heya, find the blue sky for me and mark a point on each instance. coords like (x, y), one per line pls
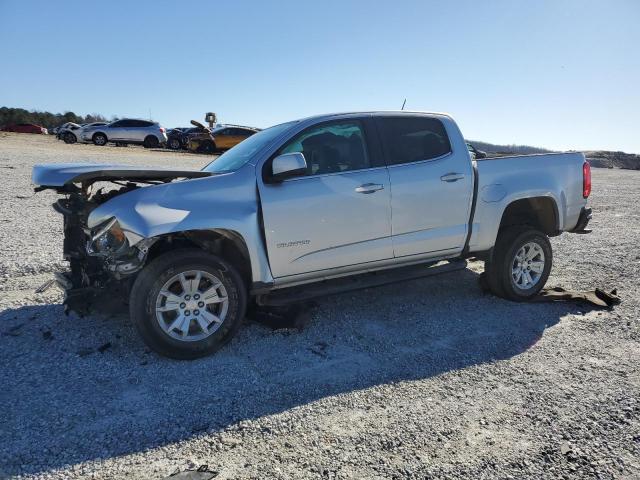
(553, 73)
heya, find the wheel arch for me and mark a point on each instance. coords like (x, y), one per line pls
(225, 243)
(99, 132)
(205, 143)
(540, 212)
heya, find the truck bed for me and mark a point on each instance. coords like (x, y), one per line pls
(503, 180)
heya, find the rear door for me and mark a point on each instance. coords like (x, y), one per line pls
(115, 130)
(431, 185)
(138, 130)
(235, 136)
(223, 139)
(337, 215)
(244, 133)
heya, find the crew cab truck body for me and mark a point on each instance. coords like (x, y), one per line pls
(299, 204)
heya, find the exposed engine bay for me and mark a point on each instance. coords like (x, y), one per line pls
(102, 259)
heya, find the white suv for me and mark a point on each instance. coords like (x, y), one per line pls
(127, 130)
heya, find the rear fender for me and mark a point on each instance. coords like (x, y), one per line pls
(490, 212)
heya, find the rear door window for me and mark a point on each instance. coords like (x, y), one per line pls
(138, 123)
(412, 139)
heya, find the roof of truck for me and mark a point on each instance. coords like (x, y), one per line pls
(374, 112)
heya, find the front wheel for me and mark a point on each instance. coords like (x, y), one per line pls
(174, 143)
(520, 264)
(187, 303)
(70, 138)
(99, 139)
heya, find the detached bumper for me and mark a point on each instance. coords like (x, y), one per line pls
(86, 300)
(583, 221)
(79, 300)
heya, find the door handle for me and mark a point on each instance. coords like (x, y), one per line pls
(369, 188)
(452, 177)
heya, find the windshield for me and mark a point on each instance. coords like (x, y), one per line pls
(242, 153)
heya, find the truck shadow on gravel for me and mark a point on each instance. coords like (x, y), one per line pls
(80, 389)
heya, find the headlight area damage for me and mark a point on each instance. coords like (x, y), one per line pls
(105, 258)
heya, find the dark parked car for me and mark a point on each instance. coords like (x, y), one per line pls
(24, 128)
(475, 153)
(178, 138)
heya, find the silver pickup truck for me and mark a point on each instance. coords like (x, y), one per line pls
(307, 208)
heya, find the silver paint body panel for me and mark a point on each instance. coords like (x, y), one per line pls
(321, 222)
(503, 180)
(321, 227)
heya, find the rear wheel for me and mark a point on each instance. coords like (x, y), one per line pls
(99, 139)
(151, 142)
(187, 303)
(70, 138)
(208, 147)
(520, 264)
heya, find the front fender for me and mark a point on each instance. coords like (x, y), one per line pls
(221, 202)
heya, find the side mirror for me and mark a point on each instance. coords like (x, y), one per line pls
(288, 165)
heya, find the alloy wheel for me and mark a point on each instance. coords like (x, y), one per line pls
(527, 266)
(191, 305)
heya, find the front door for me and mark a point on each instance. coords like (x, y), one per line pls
(431, 185)
(337, 215)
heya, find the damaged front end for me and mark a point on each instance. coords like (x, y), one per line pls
(104, 259)
(101, 259)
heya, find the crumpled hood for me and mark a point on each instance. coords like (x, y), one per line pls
(221, 199)
(65, 174)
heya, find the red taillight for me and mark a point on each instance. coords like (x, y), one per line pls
(162, 129)
(586, 179)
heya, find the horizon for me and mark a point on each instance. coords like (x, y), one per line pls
(555, 75)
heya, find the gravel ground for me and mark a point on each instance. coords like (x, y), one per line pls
(425, 379)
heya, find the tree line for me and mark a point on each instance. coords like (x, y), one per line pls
(9, 116)
(510, 149)
(50, 120)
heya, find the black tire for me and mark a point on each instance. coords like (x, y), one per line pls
(174, 143)
(70, 138)
(99, 139)
(491, 277)
(498, 269)
(208, 147)
(147, 286)
(151, 141)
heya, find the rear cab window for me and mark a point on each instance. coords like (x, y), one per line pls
(411, 139)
